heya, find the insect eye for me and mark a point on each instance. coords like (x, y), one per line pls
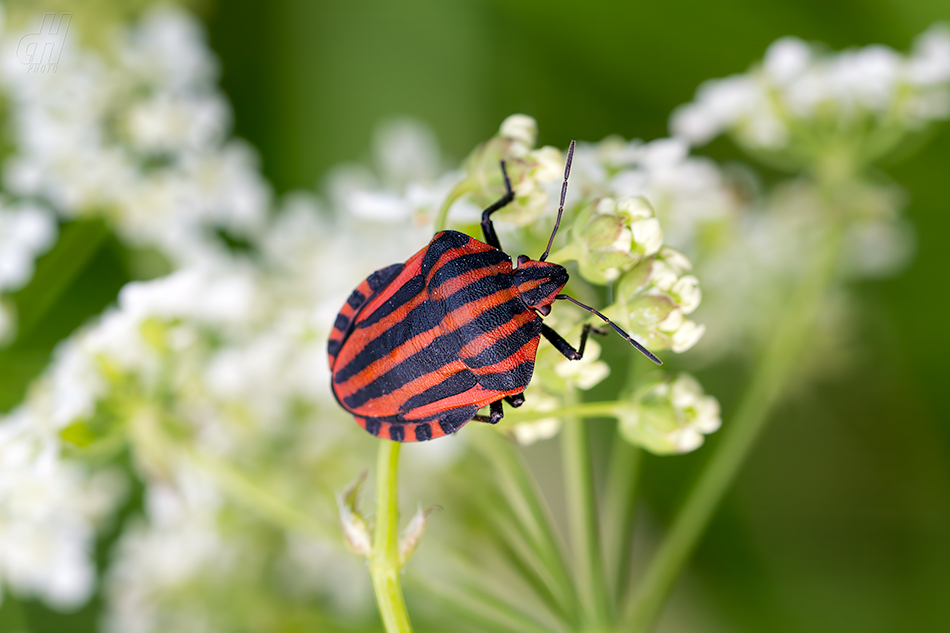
(545, 310)
(522, 259)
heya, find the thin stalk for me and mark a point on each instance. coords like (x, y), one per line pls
(783, 352)
(460, 190)
(619, 504)
(248, 492)
(623, 478)
(582, 519)
(576, 410)
(521, 492)
(384, 567)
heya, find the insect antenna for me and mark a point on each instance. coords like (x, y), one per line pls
(560, 209)
(616, 328)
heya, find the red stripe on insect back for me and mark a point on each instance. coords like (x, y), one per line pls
(481, 343)
(471, 310)
(455, 284)
(451, 323)
(356, 344)
(477, 396)
(346, 315)
(385, 364)
(524, 354)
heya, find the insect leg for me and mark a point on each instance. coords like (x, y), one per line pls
(616, 328)
(495, 411)
(491, 238)
(564, 347)
(516, 400)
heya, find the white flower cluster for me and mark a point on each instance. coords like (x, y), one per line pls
(798, 81)
(691, 196)
(135, 134)
(49, 511)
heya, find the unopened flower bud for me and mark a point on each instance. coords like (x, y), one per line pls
(612, 236)
(670, 414)
(654, 298)
(529, 170)
(520, 128)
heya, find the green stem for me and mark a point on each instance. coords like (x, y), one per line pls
(619, 505)
(384, 567)
(579, 410)
(531, 514)
(460, 190)
(78, 242)
(623, 478)
(582, 519)
(783, 352)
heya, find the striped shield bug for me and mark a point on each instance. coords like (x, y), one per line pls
(420, 347)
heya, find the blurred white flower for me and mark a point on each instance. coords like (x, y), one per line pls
(136, 135)
(669, 414)
(800, 87)
(25, 233)
(49, 509)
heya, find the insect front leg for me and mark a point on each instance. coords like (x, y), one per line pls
(564, 347)
(496, 413)
(491, 238)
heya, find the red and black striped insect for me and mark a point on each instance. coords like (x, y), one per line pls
(420, 347)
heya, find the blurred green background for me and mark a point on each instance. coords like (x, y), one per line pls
(841, 520)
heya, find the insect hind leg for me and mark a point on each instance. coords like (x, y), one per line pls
(491, 238)
(496, 413)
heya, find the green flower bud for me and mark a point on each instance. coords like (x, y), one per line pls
(669, 414)
(612, 236)
(654, 298)
(528, 169)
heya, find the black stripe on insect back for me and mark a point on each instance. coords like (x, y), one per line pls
(426, 360)
(451, 386)
(420, 319)
(479, 289)
(383, 276)
(435, 355)
(464, 264)
(515, 378)
(446, 241)
(507, 346)
(428, 315)
(450, 421)
(405, 294)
